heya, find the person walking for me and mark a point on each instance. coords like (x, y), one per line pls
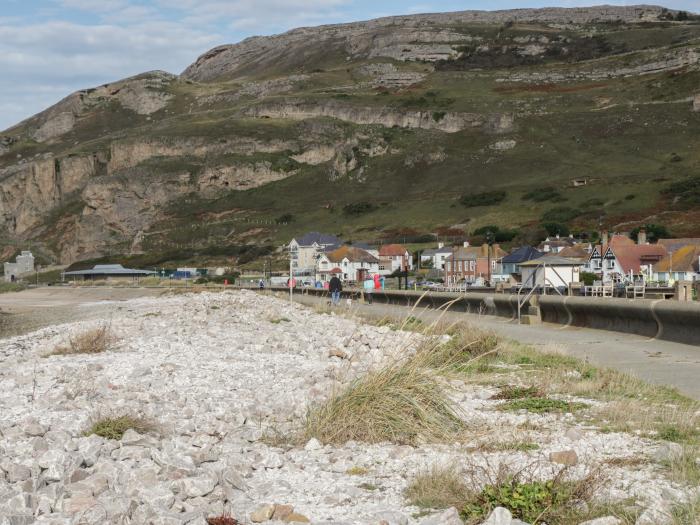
(335, 287)
(368, 285)
(261, 284)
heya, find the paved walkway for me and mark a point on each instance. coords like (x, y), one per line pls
(659, 362)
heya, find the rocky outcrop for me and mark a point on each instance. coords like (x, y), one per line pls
(55, 126)
(143, 94)
(425, 37)
(449, 122)
(30, 190)
(241, 177)
(126, 154)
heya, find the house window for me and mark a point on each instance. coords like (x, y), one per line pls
(610, 264)
(472, 266)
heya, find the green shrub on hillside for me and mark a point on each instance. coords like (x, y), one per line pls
(684, 192)
(488, 198)
(548, 193)
(359, 208)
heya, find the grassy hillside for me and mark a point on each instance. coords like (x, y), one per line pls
(609, 103)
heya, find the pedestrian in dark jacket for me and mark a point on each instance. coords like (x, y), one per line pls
(335, 287)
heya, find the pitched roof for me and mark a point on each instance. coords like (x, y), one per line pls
(685, 259)
(353, 255)
(321, 239)
(435, 251)
(676, 244)
(110, 269)
(475, 252)
(632, 257)
(391, 250)
(553, 260)
(522, 254)
(576, 251)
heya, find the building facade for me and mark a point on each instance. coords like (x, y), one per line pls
(393, 258)
(23, 265)
(471, 263)
(350, 264)
(305, 251)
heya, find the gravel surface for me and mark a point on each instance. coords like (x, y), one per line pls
(217, 373)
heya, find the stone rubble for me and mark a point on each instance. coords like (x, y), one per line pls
(220, 375)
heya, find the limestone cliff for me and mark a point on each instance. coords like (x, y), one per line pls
(402, 115)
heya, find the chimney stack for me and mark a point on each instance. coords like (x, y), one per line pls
(642, 236)
(466, 244)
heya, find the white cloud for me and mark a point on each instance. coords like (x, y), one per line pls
(42, 63)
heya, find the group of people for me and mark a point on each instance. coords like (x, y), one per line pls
(335, 286)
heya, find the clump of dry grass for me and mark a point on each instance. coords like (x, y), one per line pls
(466, 347)
(685, 467)
(687, 513)
(439, 487)
(403, 402)
(93, 341)
(114, 426)
(666, 421)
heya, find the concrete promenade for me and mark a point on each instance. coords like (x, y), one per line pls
(655, 361)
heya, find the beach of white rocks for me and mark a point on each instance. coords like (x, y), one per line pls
(218, 372)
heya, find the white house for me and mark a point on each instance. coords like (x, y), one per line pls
(306, 249)
(552, 271)
(623, 260)
(436, 256)
(394, 257)
(23, 265)
(348, 263)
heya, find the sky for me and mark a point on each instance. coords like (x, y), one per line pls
(51, 48)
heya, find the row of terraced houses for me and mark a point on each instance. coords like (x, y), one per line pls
(558, 261)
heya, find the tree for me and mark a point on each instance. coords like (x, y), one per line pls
(654, 232)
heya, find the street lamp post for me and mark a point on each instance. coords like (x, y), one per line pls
(489, 242)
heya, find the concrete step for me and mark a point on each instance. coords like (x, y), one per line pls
(530, 319)
(533, 310)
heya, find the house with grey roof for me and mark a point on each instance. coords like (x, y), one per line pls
(436, 256)
(305, 250)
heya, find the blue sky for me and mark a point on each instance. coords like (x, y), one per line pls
(50, 48)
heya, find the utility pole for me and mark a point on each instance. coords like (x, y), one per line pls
(489, 243)
(291, 288)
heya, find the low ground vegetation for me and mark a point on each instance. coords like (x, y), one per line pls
(115, 426)
(93, 341)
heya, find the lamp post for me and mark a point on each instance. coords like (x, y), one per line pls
(489, 243)
(291, 290)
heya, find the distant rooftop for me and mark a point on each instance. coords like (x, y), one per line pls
(111, 269)
(322, 239)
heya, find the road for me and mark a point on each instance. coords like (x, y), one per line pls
(655, 361)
